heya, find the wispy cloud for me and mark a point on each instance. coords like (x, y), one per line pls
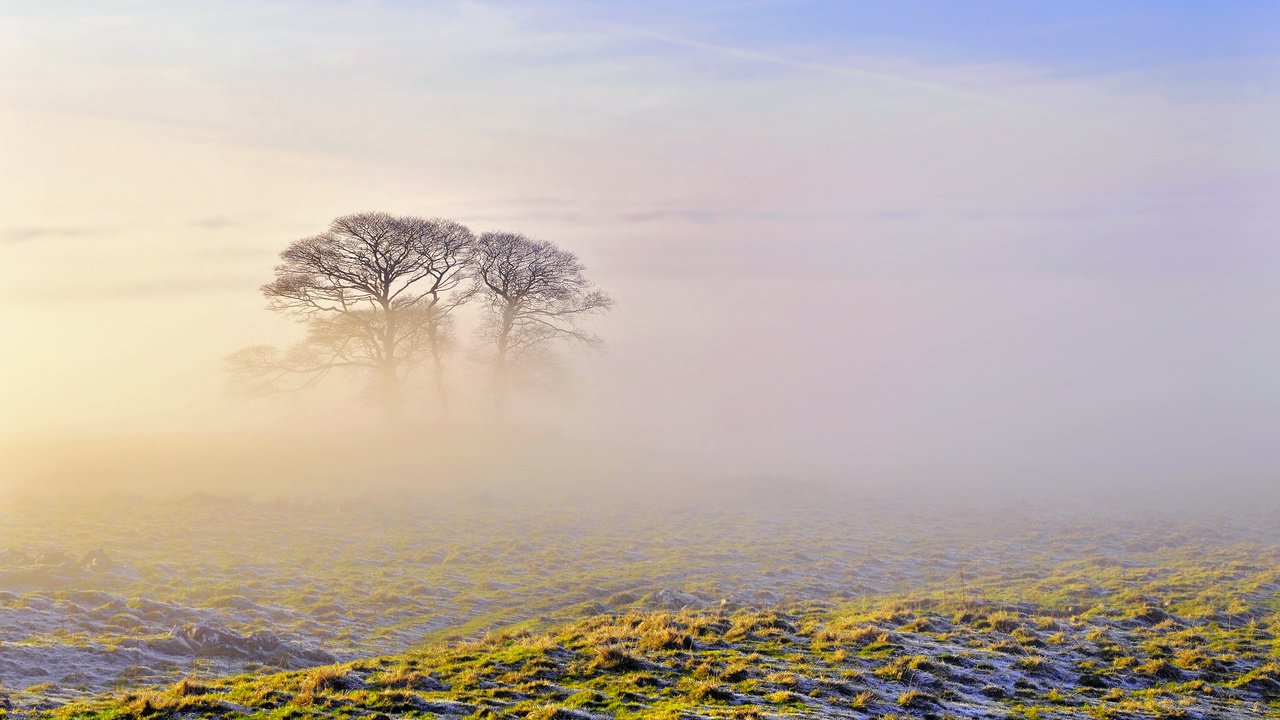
(19, 235)
(159, 289)
(715, 215)
(217, 222)
(826, 68)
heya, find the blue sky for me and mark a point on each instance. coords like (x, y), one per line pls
(1089, 36)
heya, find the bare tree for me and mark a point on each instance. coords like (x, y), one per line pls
(446, 247)
(374, 292)
(536, 295)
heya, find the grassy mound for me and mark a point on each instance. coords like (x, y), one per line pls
(1128, 655)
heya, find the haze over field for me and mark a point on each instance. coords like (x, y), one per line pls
(639, 360)
(858, 241)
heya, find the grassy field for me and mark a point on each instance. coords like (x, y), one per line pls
(701, 603)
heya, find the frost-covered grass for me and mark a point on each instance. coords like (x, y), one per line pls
(707, 603)
(975, 657)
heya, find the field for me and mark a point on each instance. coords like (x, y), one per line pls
(747, 602)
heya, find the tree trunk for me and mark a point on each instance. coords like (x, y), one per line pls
(500, 370)
(437, 360)
(500, 387)
(392, 403)
(442, 392)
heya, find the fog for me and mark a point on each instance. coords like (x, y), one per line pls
(639, 359)
(867, 266)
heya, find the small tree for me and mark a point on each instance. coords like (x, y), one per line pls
(374, 292)
(536, 295)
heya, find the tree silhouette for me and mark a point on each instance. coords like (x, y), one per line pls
(536, 294)
(374, 292)
(446, 247)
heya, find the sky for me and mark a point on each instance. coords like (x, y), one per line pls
(867, 239)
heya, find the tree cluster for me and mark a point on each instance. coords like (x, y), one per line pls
(378, 293)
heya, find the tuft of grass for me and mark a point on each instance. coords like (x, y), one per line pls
(330, 678)
(914, 699)
(189, 687)
(862, 700)
(614, 658)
